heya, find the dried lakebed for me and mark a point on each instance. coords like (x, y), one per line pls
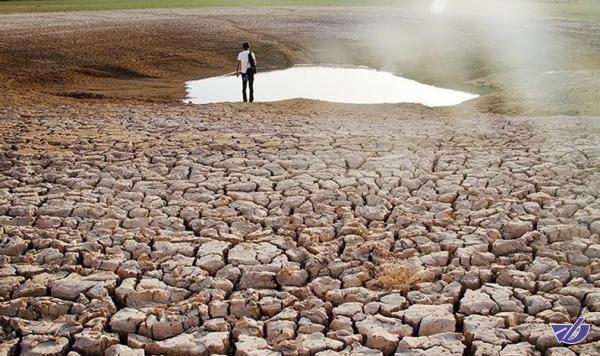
(350, 85)
(230, 229)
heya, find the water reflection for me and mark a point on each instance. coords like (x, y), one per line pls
(356, 85)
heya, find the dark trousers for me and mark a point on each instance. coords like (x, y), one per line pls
(248, 80)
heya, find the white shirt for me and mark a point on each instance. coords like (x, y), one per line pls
(243, 58)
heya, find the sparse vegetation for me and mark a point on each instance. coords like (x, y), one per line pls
(397, 275)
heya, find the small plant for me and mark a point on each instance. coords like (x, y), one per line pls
(397, 276)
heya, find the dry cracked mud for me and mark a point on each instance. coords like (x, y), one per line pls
(181, 231)
(129, 227)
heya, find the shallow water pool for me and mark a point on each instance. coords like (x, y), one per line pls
(355, 85)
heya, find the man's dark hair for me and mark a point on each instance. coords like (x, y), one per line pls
(246, 45)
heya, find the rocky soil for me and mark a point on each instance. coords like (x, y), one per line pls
(295, 229)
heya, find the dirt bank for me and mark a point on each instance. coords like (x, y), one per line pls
(148, 54)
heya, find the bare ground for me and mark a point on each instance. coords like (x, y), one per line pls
(554, 67)
(293, 228)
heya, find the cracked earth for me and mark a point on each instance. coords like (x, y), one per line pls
(292, 232)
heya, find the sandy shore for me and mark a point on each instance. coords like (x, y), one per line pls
(131, 223)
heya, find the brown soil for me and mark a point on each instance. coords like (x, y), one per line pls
(148, 54)
(128, 217)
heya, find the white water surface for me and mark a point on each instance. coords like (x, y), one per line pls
(354, 85)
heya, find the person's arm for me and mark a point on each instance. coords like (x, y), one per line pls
(237, 70)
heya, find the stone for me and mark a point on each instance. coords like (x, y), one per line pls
(382, 333)
(559, 351)
(248, 327)
(44, 345)
(127, 320)
(439, 344)
(321, 285)
(122, 350)
(291, 277)
(94, 343)
(253, 346)
(280, 330)
(475, 302)
(216, 342)
(181, 345)
(429, 319)
(9, 347)
(517, 228)
(310, 344)
(258, 280)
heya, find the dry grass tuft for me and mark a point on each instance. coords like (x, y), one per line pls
(397, 276)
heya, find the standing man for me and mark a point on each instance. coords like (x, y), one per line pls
(247, 66)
